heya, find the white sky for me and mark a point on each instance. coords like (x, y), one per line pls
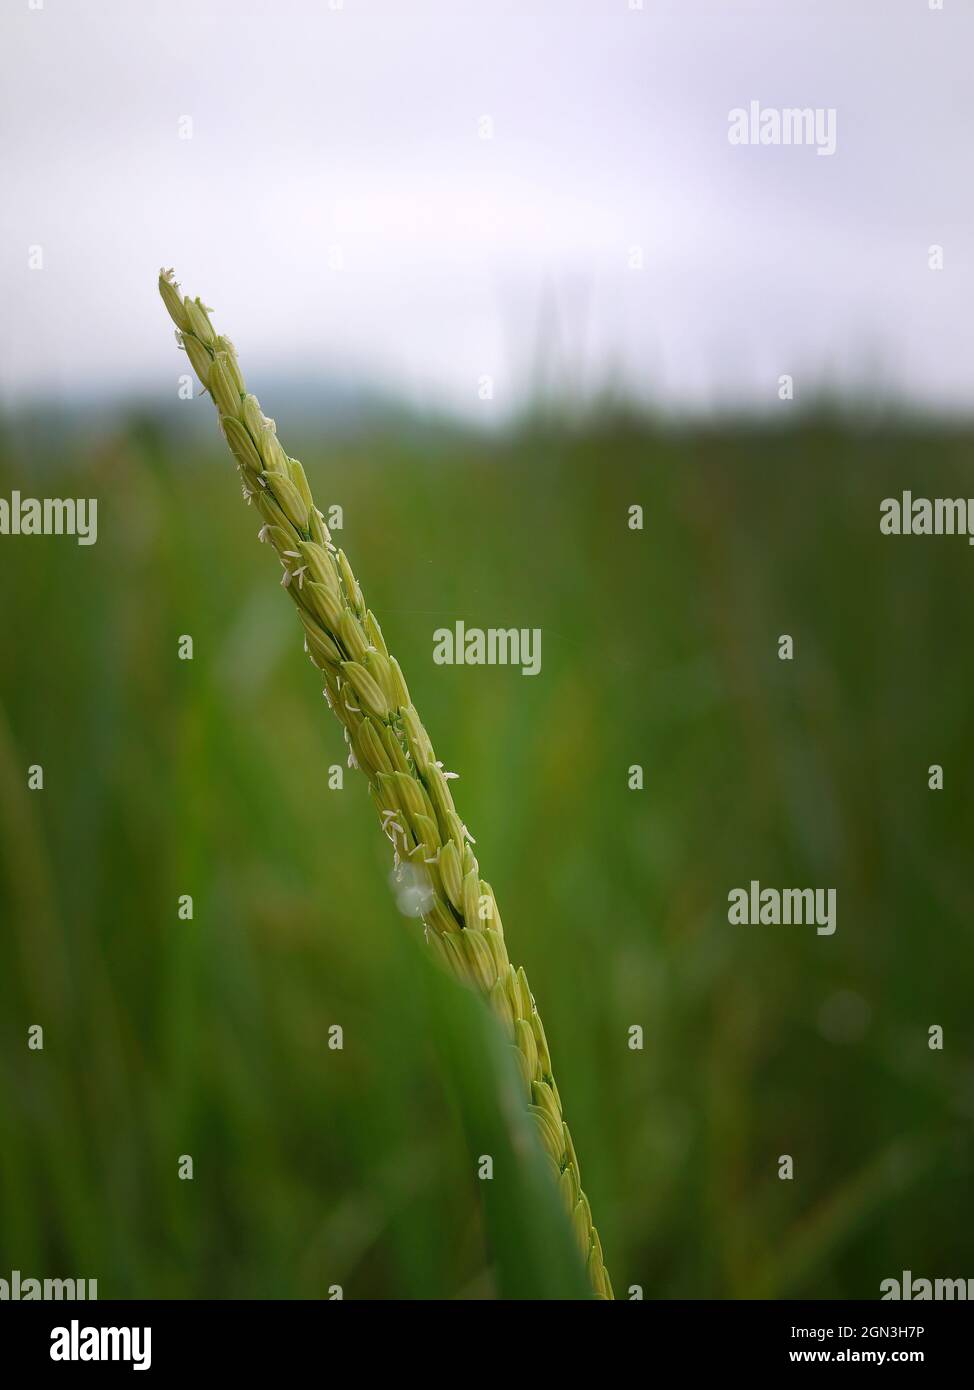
(356, 128)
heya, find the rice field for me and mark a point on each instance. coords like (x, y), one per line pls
(318, 1168)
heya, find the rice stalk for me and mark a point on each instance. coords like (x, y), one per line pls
(432, 849)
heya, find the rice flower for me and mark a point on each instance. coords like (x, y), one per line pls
(432, 849)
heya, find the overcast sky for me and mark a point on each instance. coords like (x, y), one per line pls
(338, 204)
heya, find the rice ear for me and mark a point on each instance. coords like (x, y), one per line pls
(366, 690)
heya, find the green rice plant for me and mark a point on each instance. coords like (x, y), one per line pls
(436, 867)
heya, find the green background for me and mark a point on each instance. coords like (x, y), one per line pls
(316, 1167)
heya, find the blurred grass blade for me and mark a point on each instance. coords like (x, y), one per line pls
(529, 1234)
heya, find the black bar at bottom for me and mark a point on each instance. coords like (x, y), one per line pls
(166, 1339)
